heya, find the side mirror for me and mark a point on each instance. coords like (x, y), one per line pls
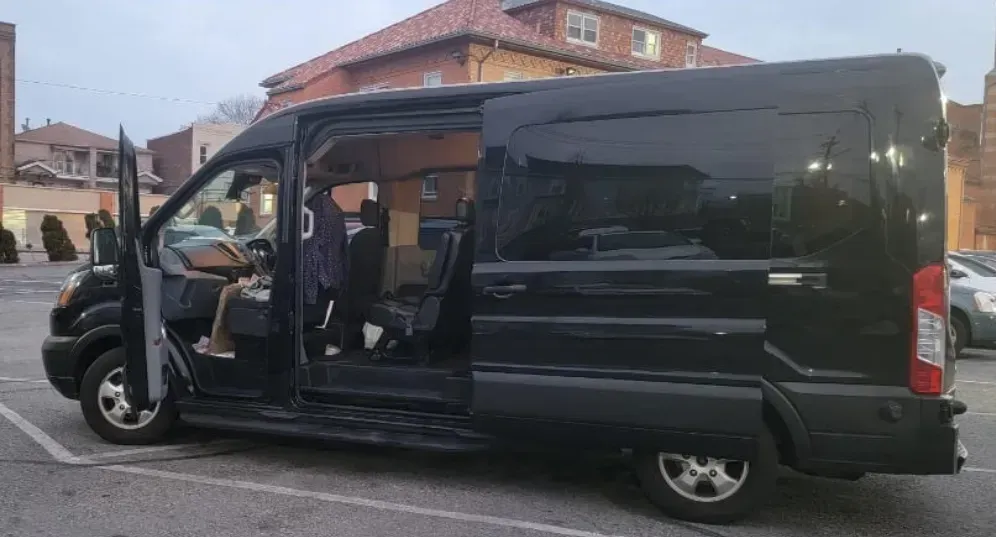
(957, 274)
(103, 247)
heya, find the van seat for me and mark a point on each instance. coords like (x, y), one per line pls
(440, 319)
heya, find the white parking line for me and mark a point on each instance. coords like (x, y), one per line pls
(983, 382)
(984, 414)
(50, 282)
(61, 454)
(30, 381)
(26, 302)
(160, 449)
(979, 470)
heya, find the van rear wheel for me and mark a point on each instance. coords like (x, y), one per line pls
(707, 489)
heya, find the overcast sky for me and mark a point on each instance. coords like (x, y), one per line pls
(206, 50)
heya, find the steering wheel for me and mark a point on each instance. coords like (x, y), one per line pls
(265, 254)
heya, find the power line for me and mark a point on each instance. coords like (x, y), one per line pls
(112, 92)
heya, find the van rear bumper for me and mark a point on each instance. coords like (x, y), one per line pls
(877, 429)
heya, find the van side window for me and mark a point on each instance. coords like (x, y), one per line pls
(690, 186)
(823, 183)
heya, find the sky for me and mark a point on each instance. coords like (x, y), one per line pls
(160, 63)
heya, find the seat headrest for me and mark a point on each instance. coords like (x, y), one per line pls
(369, 213)
(465, 210)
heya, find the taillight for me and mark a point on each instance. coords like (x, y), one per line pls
(930, 330)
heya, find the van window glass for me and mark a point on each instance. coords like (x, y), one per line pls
(823, 186)
(690, 186)
(222, 209)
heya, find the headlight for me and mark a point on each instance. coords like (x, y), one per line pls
(69, 286)
(985, 302)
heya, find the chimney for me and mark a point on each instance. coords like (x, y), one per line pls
(26, 126)
(48, 122)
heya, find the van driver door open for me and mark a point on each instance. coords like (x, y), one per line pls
(141, 291)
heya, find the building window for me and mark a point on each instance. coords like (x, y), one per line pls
(430, 186)
(691, 54)
(431, 80)
(514, 75)
(582, 28)
(266, 202)
(689, 186)
(203, 157)
(646, 43)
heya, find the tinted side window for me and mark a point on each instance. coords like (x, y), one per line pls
(822, 181)
(693, 186)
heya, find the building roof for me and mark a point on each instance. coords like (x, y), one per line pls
(69, 135)
(609, 7)
(453, 18)
(714, 57)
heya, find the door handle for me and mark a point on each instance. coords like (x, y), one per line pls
(798, 279)
(504, 291)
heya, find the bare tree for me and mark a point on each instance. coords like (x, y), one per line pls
(240, 109)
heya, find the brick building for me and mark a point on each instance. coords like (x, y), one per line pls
(7, 35)
(463, 41)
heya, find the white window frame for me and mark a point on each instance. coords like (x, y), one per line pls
(430, 194)
(202, 153)
(514, 75)
(646, 32)
(581, 40)
(691, 51)
(263, 199)
(434, 74)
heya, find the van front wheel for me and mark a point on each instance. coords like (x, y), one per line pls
(706, 489)
(107, 412)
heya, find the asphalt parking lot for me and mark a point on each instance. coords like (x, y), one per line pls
(61, 479)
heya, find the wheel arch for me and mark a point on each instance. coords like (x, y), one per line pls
(104, 338)
(786, 425)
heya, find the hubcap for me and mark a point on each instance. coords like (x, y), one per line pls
(114, 407)
(702, 479)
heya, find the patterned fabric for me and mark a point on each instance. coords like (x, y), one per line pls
(325, 251)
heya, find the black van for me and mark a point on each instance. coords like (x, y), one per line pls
(717, 270)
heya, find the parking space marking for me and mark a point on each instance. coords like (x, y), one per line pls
(160, 449)
(979, 470)
(26, 302)
(982, 382)
(63, 455)
(984, 414)
(27, 381)
(49, 444)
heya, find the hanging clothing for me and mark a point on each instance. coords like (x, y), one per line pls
(325, 252)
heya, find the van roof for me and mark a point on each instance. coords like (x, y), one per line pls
(278, 127)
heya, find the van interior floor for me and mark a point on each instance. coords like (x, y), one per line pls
(351, 378)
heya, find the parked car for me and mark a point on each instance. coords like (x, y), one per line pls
(973, 302)
(828, 352)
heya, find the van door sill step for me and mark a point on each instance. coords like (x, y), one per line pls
(431, 442)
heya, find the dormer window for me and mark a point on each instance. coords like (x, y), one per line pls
(691, 54)
(646, 43)
(582, 28)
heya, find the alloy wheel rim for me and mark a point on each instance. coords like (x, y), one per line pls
(702, 479)
(114, 407)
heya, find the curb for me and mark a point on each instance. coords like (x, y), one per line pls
(44, 264)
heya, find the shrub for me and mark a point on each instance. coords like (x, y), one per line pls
(245, 223)
(56, 240)
(105, 218)
(212, 217)
(153, 209)
(92, 223)
(8, 246)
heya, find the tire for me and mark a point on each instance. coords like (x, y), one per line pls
(754, 487)
(960, 334)
(109, 366)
